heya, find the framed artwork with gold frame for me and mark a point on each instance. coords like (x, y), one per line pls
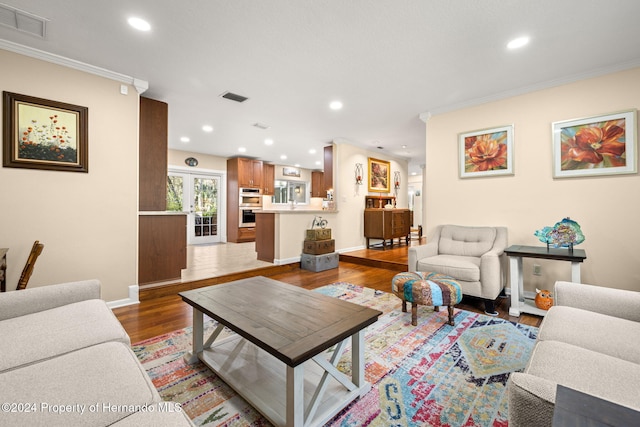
(379, 176)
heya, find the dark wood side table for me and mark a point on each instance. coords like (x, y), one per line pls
(517, 252)
(3, 269)
(577, 409)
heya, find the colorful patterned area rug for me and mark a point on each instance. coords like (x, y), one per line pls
(432, 374)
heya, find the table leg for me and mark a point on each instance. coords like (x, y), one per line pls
(575, 272)
(295, 396)
(357, 358)
(198, 332)
(515, 267)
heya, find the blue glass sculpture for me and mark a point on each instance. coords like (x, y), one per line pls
(564, 234)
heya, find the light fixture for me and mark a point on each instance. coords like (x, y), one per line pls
(297, 189)
(242, 149)
(312, 151)
(318, 162)
(139, 24)
(335, 105)
(396, 182)
(268, 141)
(184, 139)
(207, 128)
(283, 157)
(518, 42)
(358, 173)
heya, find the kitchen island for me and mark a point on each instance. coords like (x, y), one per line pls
(280, 233)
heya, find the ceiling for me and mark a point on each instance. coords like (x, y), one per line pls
(387, 61)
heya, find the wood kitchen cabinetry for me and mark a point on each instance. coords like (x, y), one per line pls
(317, 184)
(268, 179)
(243, 173)
(249, 173)
(387, 224)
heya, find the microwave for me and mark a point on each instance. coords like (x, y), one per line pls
(250, 197)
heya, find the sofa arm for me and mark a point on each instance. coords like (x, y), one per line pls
(33, 300)
(531, 400)
(610, 301)
(416, 253)
(492, 274)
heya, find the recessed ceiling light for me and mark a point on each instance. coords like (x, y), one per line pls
(185, 139)
(414, 173)
(335, 105)
(404, 146)
(312, 151)
(518, 42)
(297, 165)
(207, 128)
(268, 141)
(242, 150)
(283, 157)
(318, 162)
(139, 24)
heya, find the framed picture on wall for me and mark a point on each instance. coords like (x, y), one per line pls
(601, 145)
(486, 152)
(379, 176)
(44, 134)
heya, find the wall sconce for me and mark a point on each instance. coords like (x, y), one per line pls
(297, 190)
(396, 179)
(358, 172)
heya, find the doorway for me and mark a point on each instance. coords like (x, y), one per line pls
(199, 196)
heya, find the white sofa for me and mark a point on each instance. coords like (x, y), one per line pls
(588, 341)
(66, 360)
(474, 256)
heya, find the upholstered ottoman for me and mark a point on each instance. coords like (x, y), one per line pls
(424, 288)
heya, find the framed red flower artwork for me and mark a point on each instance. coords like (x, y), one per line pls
(601, 145)
(44, 134)
(486, 152)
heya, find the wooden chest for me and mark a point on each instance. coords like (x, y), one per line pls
(319, 262)
(319, 247)
(318, 234)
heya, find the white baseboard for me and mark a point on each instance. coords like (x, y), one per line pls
(285, 261)
(133, 299)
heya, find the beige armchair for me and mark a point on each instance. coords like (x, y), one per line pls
(474, 256)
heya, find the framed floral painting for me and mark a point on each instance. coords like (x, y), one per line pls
(486, 152)
(602, 145)
(44, 134)
(379, 176)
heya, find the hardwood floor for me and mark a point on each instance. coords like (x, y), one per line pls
(161, 310)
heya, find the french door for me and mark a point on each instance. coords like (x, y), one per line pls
(199, 196)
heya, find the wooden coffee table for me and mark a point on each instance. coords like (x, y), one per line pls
(275, 358)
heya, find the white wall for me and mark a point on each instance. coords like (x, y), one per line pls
(87, 221)
(607, 208)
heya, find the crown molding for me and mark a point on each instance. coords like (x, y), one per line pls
(536, 87)
(140, 85)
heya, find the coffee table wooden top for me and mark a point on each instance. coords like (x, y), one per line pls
(291, 323)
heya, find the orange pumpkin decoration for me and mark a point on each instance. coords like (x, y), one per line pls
(543, 299)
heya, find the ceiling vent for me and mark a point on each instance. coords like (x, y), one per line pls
(22, 21)
(234, 97)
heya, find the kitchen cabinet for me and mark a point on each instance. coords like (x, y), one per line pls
(249, 173)
(387, 224)
(268, 179)
(241, 172)
(317, 184)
